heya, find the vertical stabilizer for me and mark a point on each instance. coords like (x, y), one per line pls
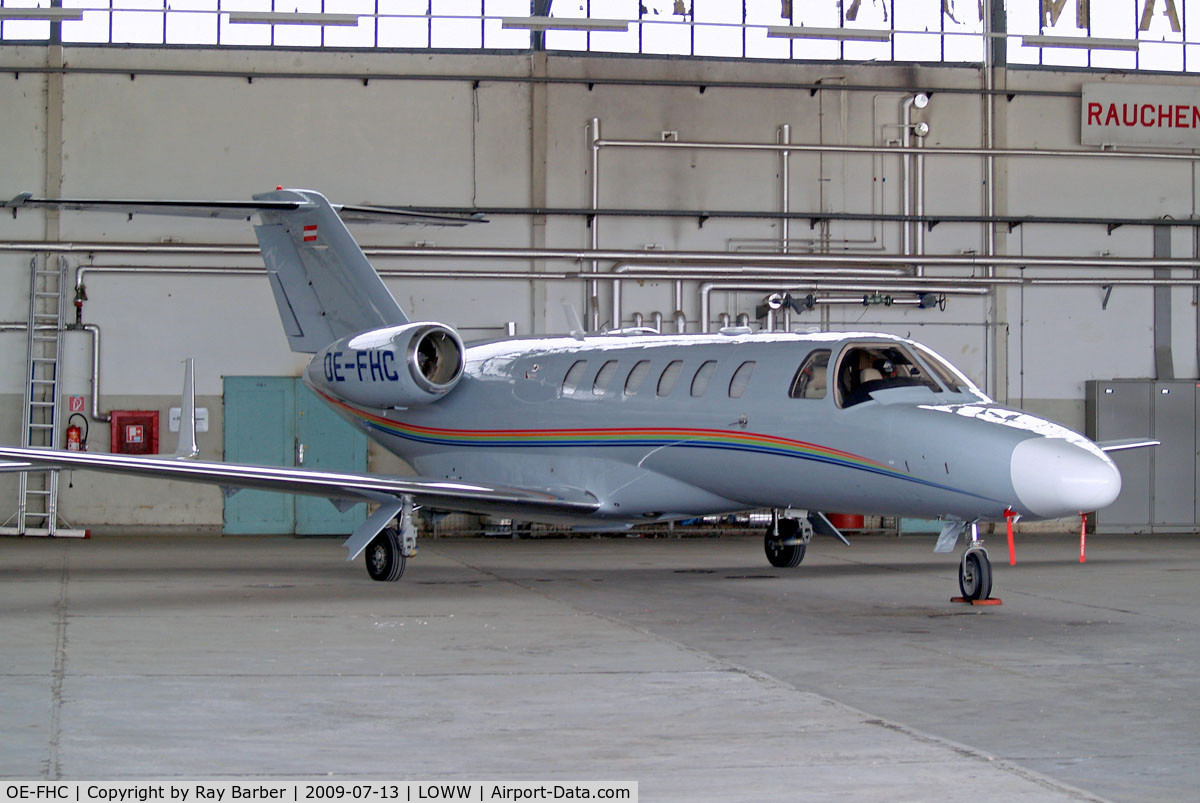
(323, 284)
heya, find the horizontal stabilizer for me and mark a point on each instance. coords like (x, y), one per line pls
(443, 494)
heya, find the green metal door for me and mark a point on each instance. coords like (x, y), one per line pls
(326, 443)
(267, 421)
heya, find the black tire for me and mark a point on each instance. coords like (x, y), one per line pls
(975, 575)
(780, 555)
(384, 561)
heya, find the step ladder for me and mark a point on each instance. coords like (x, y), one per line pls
(37, 503)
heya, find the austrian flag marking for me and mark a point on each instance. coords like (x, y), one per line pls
(310, 234)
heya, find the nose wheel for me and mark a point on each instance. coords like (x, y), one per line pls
(975, 575)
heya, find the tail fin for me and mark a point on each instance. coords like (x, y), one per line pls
(323, 284)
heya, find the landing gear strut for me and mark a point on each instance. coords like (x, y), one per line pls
(786, 541)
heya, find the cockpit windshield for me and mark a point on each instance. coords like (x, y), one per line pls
(865, 368)
(947, 374)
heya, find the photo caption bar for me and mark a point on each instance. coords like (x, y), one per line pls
(312, 791)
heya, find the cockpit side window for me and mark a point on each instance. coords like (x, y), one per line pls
(810, 380)
(865, 368)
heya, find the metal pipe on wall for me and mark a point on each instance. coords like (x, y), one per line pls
(594, 287)
(94, 331)
(648, 271)
(656, 257)
(707, 288)
(869, 149)
(785, 137)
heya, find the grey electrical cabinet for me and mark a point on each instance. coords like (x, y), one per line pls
(1158, 484)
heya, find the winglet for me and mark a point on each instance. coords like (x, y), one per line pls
(187, 448)
(573, 321)
(1126, 443)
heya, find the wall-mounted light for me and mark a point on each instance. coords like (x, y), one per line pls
(42, 14)
(1086, 42)
(291, 18)
(563, 24)
(842, 34)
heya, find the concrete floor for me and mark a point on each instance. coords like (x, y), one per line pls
(690, 666)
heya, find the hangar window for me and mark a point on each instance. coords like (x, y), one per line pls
(810, 380)
(867, 368)
(703, 377)
(573, 377)
(636, 377)
(741, 378)
(604, 378)
(666, 382)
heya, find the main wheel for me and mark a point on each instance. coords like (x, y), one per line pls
(384, 561)
(975, 575)
(779, 553)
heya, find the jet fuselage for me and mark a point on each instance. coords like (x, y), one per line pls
(672, 426)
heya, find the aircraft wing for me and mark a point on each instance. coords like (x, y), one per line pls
(335, 486)
(235, 210)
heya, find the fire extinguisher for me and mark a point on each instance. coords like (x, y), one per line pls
(76, 437)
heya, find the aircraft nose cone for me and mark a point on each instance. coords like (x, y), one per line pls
(1054, 477)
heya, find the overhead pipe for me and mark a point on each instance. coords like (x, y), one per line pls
(707, 288)
(588, 81)
(94, 331)
(645, 272)
(657, 257)
(886, 149)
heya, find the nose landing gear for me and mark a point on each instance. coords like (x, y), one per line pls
(975, 573)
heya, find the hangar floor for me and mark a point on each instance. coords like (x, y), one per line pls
(689, 666)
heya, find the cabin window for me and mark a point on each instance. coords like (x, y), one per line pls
(703, 377)
(604, 377)
(741, 378)
(867, 368)
(574, 376)
(666, 382)
(636, 377)
(810, 381)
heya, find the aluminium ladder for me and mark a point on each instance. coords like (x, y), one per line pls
(37, 511)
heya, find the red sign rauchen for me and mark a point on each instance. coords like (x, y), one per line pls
(1131, 114)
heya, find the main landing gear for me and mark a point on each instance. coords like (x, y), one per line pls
(786, 540)
(389, 551)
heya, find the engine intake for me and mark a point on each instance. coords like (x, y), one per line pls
(399, 366)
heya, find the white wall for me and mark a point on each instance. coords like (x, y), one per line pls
(403, 139)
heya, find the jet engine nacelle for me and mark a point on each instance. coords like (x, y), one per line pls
(399, 366)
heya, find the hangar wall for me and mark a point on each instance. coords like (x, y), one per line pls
(473, 131)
